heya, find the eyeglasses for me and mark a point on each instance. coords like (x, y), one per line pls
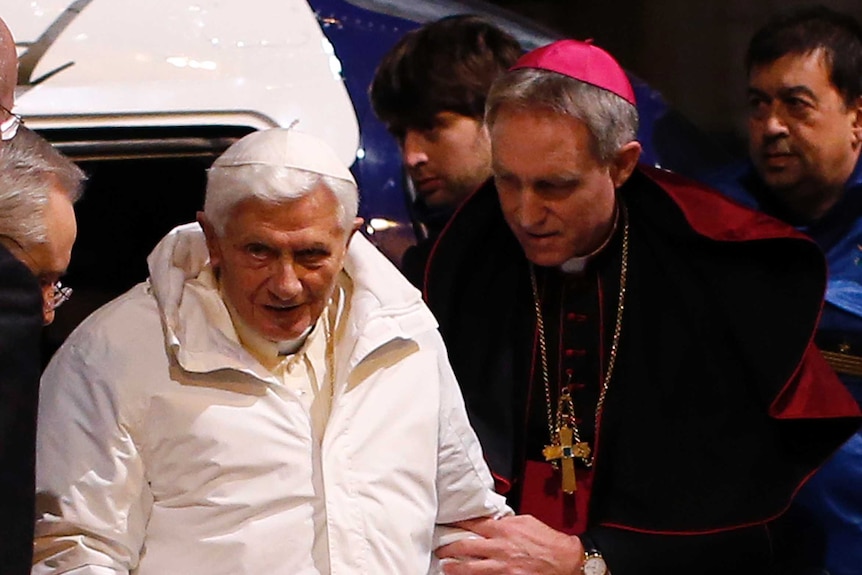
(54, 293)
(60, 294)
(9, 128)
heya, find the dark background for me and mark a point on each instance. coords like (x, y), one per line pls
(689, 50)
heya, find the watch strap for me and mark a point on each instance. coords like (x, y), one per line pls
(593, 555)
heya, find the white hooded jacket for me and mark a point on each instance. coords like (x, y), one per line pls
(165, 448)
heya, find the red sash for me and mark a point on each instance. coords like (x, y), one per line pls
(543, 498)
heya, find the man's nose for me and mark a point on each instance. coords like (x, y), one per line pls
(413, 149)
(774, 123)
(531, 209)
(285, 283)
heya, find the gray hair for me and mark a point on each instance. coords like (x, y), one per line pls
(30, 167)
(229, 185)
(612, 121)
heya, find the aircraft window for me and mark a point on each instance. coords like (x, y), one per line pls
(141, 184)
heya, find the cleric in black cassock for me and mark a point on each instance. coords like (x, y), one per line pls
(635, 351)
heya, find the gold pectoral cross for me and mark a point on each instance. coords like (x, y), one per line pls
(563, 454)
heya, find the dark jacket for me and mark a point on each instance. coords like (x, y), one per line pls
(20, 330)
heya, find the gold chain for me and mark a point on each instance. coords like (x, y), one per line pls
(554, 423)
(330, 318)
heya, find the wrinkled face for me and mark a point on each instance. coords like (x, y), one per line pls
(278, 262)
(449, 160)
(49, 260)
(803, 139)
(555, 194)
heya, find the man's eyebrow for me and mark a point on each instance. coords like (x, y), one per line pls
(315, 247)
(800, 90)
(752, 91)
(563, 178)
(784, 92)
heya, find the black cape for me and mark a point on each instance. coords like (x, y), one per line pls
(20, 365)
(720, 407)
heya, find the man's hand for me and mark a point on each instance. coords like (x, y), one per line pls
(520, 545)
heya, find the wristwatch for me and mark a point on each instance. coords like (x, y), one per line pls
(594, 563)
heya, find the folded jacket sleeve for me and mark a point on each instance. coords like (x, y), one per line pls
(465, 488)
(92, 497)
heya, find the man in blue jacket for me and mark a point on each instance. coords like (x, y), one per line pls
(805, 131)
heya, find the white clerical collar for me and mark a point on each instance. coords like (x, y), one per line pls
(291, 346)
(577, 264)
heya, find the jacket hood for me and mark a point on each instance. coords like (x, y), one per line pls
(384, 306)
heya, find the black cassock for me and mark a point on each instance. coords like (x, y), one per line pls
(718, 409)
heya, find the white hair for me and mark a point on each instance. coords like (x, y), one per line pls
(229, 185)
(30, 167)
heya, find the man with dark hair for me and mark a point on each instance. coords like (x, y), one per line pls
(805, 136)
(634, 350)
(430, 92)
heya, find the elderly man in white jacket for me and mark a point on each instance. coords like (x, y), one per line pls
(276, 399)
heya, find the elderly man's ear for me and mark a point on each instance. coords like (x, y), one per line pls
(624, 162)
(357, 225)
(213, 245)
